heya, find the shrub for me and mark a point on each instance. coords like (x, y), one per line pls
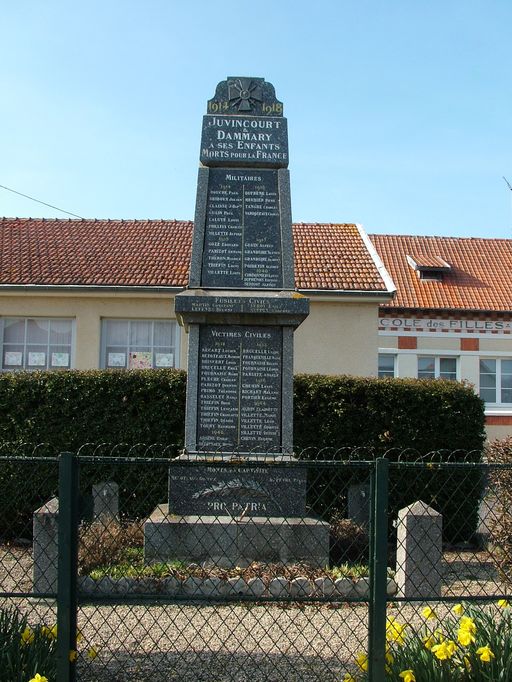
(385, 414)
(348, 542)
(500, 522)
(102, 543)
(405, 419)
(66, 410)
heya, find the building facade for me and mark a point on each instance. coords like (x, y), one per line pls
(91, 294)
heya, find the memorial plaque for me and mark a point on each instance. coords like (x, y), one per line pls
(244, 140)
(240, 389)
(245, 303)
(251, 491)
(242, 237)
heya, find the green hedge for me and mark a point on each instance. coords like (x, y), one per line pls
(382, 414)
(65, 410)
(68, 409)
(406, 419)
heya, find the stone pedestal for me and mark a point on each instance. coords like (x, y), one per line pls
(235, 541)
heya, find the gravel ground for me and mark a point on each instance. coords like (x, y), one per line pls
(232, 642)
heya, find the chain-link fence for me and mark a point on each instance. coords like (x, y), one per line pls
(133, 563)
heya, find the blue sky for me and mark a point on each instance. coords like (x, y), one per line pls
(399, 112)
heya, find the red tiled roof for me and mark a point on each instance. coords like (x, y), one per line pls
(333, 256)
(57, 252)
(94, 252)
(480, 275)
(427, 261)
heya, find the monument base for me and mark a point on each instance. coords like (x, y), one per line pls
(233, 542)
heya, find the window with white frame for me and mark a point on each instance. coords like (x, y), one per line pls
(139, 344)
(387, 363)
(36, 343)
(496, 381)
(436, 367)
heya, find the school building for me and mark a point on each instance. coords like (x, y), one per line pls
(99, 293)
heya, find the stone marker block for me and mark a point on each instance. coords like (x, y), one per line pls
(172, 586)
(192, 586)
(45, 523)
(345, 587)
(325, 587)
(359, 504)
(279, 587)
(213, 587)
(105, 498)
(301, 587)
(237, 586)
(362, 587)
(419, 552)
(256, 587)
(489, 511)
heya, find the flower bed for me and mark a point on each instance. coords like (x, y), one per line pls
(471, 644)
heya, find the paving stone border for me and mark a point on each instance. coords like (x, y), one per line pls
(213, 587)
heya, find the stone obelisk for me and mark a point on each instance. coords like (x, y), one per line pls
(240, 307)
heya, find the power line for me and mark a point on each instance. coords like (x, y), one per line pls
(41, 202)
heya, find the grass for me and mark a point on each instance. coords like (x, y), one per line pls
(130, 564)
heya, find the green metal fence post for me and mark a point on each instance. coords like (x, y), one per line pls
(67, 567)
(378, 572)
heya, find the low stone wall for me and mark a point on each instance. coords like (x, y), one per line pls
(215, 587)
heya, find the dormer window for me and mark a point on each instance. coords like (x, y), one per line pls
(429, 267)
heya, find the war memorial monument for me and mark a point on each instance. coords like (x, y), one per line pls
(237, 494)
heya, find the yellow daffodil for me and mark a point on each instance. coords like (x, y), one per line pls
(395, 631)
(485, 654)
(429, 641)
(439, 635)
(407, 676)
(362, 661)
(93, 652)
(72, 655)
(467, 663)
(50, 633)
(503, 603)
(458, 609)
(349, 678)
(468, 624)
(465, 637)
(27, 636)
(39, 678)
(79, 636)
(445, 650)
(428, 613)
